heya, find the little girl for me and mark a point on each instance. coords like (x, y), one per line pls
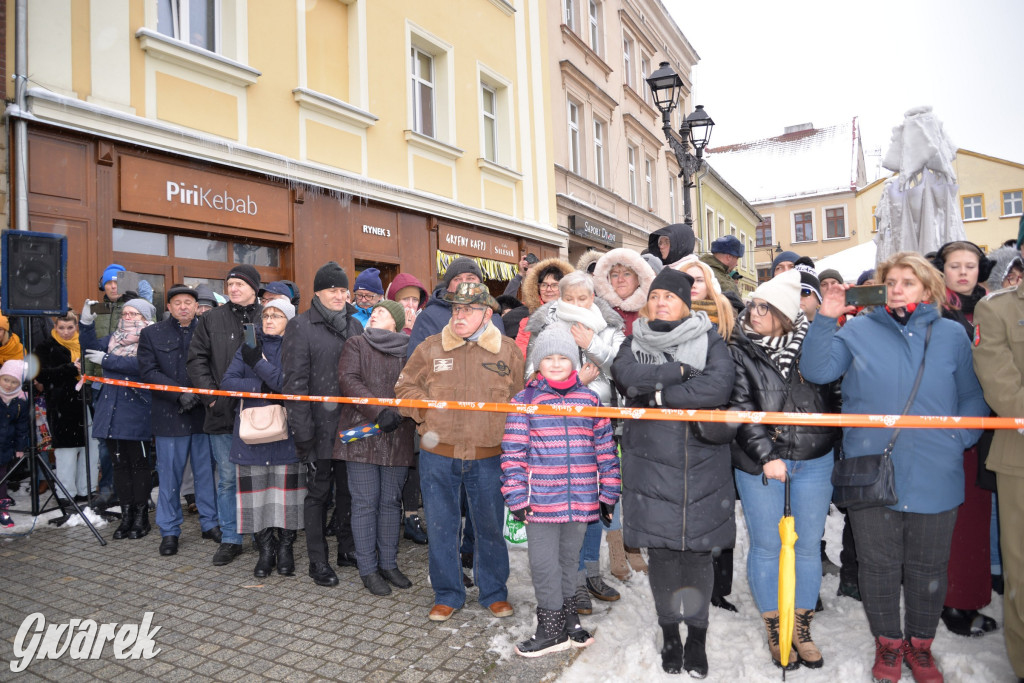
(14, 424)
(559, 472)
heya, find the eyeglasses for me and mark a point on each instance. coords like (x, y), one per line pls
(368, 296)
(275, 317)
(760, 309)
(463, 311)
(131, 315)
(1013, 278)
(548, 286)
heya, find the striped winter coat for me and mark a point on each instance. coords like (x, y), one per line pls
(560, 466)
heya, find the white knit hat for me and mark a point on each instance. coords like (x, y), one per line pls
(782, 292)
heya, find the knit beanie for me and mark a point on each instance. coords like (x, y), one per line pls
(865, 276)
(110, 273)
(809, 279)
(147, 309)
(461, 265)
(5, 324)
(790, 256)
(653, 261)
(16, 368)
(552, 340)
(677, 282)
(782, 292)
(283, 305)
(830, 273)
(329, 276)
(395, 309)
(246, 274)
(369, 280)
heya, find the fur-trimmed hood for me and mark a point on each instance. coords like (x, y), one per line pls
(545, 315)
(489, 340)
(589, 256)
(528, 292)
(1003, 257)
(632, 260)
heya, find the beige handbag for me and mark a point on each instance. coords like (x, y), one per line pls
(264, 424)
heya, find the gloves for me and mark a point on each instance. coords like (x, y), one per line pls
(95, 356)
(252, 356)
(520, 514)
(606, 513)
(88, 316)
(187, 402)
(304, 449)
(688, 371)
(388, 420)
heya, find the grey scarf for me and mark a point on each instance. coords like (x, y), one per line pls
(386, 341)
(686, 343)
(336, 320)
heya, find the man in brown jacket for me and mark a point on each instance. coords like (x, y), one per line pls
(999, 364)
(470, 360)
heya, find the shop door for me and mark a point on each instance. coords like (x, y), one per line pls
(388, 272)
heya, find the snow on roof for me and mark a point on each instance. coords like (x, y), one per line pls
(799, 163)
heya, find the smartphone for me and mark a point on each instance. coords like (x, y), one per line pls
(867, 295)
(101, 308)
(249, 335)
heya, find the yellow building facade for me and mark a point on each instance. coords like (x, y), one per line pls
(723, 211)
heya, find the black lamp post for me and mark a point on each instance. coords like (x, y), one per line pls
(695, 129)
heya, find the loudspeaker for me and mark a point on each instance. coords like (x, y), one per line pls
(34, 273)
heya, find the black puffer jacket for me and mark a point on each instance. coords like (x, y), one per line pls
(761, 387)
(677, 491)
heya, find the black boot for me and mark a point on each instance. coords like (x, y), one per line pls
(266, 544)
(695, 658)
(285, 558)
(550, 635)
(672, 649)
(578, 636)
(140, 526)
(127, 520)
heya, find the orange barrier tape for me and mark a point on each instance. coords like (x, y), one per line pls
(733, 416)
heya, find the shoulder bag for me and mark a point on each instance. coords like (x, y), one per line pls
(263, 424)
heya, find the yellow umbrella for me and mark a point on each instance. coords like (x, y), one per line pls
(787, 582)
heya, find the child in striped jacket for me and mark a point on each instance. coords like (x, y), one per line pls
(559, 472)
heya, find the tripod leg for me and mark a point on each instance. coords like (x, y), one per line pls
(52, 478)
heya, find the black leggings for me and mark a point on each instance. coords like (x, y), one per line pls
(133, 476)
(681, 582)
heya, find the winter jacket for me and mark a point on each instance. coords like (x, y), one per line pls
(878, 359)
(309, 358)
(678, 491)
(446, 367)
(434, 316)
(362, 315)
(365, 371)
(681, 239)
(760, 386)
(163, 354)
(559, 465)
(214, 343)
(401, 281)
(120, 412)
(530, 295)
(721, 273)
(104, 324)
(627, 308)
(266, 378)
(601, 351)
(58, 375)
(14, 425)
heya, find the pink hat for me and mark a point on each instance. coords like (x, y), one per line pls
(14, 368)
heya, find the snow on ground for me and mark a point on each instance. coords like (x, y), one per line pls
(628, 639)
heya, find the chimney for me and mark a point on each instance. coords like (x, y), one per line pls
(798, 127)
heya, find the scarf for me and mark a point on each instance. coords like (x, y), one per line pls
(70, 344)
(8, 396)
(709, 307)
(124, 341)
(686, 341)
(337, 321)
(12, 350)
(784, 349)
(570, 313)
(387, 342)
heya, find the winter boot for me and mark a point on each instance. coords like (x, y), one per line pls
(888, 659)
(583, 602)
(578, 636)
(266, 544)
(967, 622)
(671, 649)
(636, 560)
(807, 652)
(285, 557)
(617, 555)
(596, 585)
(140, 526)
(917, 654)
(695, 658)
(127, 520)
(771, 626)
(550, 635)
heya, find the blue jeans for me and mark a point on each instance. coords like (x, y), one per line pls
(106, 465)
(591, 550)
(171, 454)
(810, 495)
(440, 481)
(227, 506)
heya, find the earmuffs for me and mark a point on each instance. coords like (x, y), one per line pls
(985, 264)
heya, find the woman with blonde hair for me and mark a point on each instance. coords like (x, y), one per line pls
(707, 295)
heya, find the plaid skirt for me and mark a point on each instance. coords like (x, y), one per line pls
(270, 496)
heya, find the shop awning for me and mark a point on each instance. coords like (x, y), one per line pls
(493, 270)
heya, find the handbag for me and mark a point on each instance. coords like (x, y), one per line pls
(870, 480)
(263, 424)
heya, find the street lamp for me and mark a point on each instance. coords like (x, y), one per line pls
(695, 129)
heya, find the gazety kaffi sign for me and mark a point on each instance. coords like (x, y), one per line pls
(584, 227)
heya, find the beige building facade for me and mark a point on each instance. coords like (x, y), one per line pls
(723, 211)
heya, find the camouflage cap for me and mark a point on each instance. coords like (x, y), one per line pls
(472, 293)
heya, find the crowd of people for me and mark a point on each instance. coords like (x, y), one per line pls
(664, 328)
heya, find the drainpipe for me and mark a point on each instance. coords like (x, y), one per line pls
(701, 215)
(19, 160)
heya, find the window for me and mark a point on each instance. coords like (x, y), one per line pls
(709, 220)
(1013, 203)
(803, 226)
(750, 253)
(764, 273)
(732, 229)
(201, 248)
(423, 92)
(627, 60)
(190, 21)
(645, 71)
(599, 152)
(972, 207)
(874, 220)
(489, 111)
(139, 242)
(574, 137)
(721, 227)
(631, 167)
(672, 199)
(835, 223)
(595, 27)
(649, 183)
(570, 14)
(763, 232)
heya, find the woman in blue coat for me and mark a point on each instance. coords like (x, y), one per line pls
(878, 355)
(122, 416)
(271, 481)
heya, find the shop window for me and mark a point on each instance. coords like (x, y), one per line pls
(200, 248)
(595, 26)
(140, 242)
(1013, 203)
(217, 286)
(195, 22)
(423, 92)
(256, 255)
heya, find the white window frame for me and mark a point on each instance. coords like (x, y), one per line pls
(599, 162)
(720, 229)
(709, 220)
(440, 52)
(792, 227)
(1016, 203)
(631, 154)
(980, 206)
(573, 120)
(418, 84)
(490, 137)
(732, 229)
(594, 21)
(673, 215)
(771, 240)
(645, 71)
(649, 182)
(627, 59)
(824, 222)
(569, 14)
(180, 17)
(750, 253)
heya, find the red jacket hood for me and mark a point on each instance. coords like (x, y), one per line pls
(403, 280)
